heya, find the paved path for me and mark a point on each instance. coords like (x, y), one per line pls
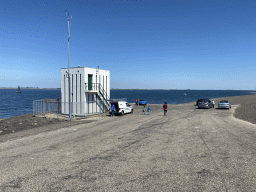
(189, 150)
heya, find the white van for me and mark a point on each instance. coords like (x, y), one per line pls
(121, 107)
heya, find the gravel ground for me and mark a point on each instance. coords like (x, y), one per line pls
(190, 149)
(246, 111)
(247, 107)
(28, 124)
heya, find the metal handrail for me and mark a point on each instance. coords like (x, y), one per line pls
(94, 87)
(104, 95)
(100, 90)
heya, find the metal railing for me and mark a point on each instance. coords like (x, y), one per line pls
(41, 107)
(95, 107)
(85, 108)
(55, 106)
(104, 97)
(94, 87)
(102, 94)
(118, 99)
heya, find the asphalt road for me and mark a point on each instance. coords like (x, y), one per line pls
(190, 149)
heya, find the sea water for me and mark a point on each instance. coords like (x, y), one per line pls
(14, 104)
(175, 96)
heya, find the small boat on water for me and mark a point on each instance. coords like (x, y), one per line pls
(18, 90)
(185, 94)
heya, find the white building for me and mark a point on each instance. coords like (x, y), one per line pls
(90, 90)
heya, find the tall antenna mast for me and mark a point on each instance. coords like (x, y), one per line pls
(69, 17)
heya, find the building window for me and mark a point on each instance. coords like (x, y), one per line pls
(103, 82)
(80, 86)
(96, 82)
(64, 89)
(72, 89)
(76, 87)
(106, 84)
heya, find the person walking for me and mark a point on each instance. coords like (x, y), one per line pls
(143, 110)
(148, 110)
(112, 109)
(165, 108)
(213, 103)
(137, 101)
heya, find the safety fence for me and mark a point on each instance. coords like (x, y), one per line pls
(55, 106)
(118, 99)
(41, 107)
(84, 108)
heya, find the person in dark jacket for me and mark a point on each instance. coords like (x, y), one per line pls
(112, 110)
(165, 108)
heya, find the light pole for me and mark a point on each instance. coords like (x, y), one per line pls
(69, 87)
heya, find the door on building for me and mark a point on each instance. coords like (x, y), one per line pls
(89, 82)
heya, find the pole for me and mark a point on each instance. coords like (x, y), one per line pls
(69, 86)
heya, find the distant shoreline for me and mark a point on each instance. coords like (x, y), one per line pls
(137, 89)
(152, 89)
(184, 89)
(26, 88)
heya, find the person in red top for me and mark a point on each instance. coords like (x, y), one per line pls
(137, 101)
(165, 108)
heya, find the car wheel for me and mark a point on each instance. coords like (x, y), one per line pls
(122, 112)
(132, 111)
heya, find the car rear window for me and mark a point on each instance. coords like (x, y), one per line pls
(223, 101)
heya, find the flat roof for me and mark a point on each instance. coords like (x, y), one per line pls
(85, 67)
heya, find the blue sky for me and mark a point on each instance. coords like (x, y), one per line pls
(147, 44)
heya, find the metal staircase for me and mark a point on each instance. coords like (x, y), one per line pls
(102, 94)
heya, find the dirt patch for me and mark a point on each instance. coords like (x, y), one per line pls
(28, 122)
(247, 107)
(247, 112)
